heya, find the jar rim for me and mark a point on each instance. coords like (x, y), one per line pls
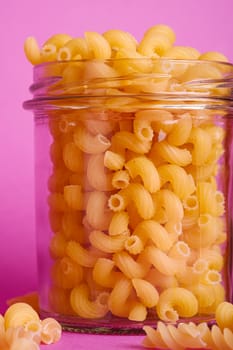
(197, 85)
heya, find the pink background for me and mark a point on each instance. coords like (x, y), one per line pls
(203, 24)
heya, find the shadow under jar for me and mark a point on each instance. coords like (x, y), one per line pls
(133, 176)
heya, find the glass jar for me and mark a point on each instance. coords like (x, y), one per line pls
(133, 169)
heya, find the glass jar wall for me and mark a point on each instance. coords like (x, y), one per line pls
(133, 167)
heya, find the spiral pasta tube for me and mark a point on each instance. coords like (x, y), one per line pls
(189, 336)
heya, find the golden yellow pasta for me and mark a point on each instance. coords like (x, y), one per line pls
(80, 255)
(210, 201)
(172, 154)
(213, 56)
(73, 196)
(180, 131)
(32, 50)
(102, 181)
(72, 48)
(182, 183)
(142, 199)
(104, 273)
(134, 245)
(156, 40)
(89, 143)
(113, 160)
(118, 302)
(97, 214)
(176, 302)
(224, 315)
(146, 292)
(136, 204)
(138, 312)
(73, 157)
(160, 260)
(98, 45)
(106, 243)
(143, 130)
(150, 230)
(127, 140)
(66, 273)
(18, 314)
(131, 268)
(119, 224)
(120, 179)
(171, 203)
(120, 39)
(51, 331)
(144, 167)
(57, 245)
(86, 308)
(201, 140)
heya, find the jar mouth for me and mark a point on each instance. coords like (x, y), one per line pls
(164, 82)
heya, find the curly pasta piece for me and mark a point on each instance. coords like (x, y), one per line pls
(134, 245)
(51, 331)
(113, 160)
(119, 224)
(89, 143)
(176, 302)
(106, 243)
(97, 214)
(150, 230)
(72, 157)
(104, 274)
(171, 203)
(73, 195)
(224, 315)
(180, 131)
(156, 40)
(172, 154)
(119, 39)
(86, 308)
(66, 273)
(120, 179)
(102, 181)
(118, 302)
(130, 267)
(210, 200)
(142, 199)
(201, 140)
(127, 140)
(182, 183)
(32, 50)
(145, 168)
(160, 260)
(213, 56)
(80, 255)
(98, 44)
(146, 292)
(73, 48)
(18, 314)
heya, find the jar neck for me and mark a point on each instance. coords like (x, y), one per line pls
(163, 83)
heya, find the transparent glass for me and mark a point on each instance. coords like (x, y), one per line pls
(133, 168)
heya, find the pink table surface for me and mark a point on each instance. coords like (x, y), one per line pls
(74, 341)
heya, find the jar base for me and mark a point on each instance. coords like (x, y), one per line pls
(111, 326)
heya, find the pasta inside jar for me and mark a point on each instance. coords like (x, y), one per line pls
(133, 181)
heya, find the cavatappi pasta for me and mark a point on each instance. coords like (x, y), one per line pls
(136, 208)
(21, 327)
(191, 336)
